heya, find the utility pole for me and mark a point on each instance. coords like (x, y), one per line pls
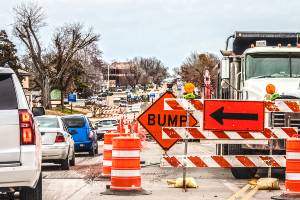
(108, 76)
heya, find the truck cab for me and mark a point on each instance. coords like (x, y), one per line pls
(256, 60)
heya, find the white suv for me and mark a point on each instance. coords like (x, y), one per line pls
(20, 141)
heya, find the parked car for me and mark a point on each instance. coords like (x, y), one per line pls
(123, 103)
(83, 133)
(57, 142)
(20, 141)
(104, 125)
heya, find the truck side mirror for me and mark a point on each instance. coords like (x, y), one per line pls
(225, 66)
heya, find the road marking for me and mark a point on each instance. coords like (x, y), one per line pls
(250, 189)
(240, 192)
(250, 193)
(230, 186)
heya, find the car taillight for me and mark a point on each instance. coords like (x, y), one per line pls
(26, 127)
(60, 138)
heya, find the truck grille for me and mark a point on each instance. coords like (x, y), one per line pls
(286, 120)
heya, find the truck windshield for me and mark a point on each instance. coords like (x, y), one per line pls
(272, 66)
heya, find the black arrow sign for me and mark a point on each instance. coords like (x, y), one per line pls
(219, 115)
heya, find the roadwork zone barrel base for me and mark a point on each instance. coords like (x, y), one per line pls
(287, 196)
(131, 192)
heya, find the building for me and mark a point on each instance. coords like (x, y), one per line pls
(118, 73)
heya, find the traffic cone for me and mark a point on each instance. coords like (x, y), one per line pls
(292, 172)
(126, 169)
(136, 127)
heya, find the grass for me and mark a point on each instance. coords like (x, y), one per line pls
(66, 111)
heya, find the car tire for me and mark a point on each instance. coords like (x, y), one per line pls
(72, 161)
(27, 193)
(96, 150)
(65, 164)
(92, 151)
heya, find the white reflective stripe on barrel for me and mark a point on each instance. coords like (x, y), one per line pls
(107, 162)
(292, 176)
(107, 147)
(125, 173)
(293, 155)
(126, 154)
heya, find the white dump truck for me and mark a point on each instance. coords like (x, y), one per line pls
(255, 60)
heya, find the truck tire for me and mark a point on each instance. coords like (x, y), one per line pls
(240, 172)
(27, 193)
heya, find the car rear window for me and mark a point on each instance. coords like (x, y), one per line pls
(108, 122)
(74, 122)
(47, 122)
(8, 98)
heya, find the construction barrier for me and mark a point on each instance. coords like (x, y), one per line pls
(196, 108)
(126, 170)
(107, 153)
(292, 182)
(203, 161)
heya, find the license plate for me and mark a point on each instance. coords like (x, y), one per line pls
(81, 145)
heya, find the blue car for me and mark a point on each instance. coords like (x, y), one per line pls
(83, 133)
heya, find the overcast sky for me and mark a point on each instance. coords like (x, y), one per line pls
(167, 29)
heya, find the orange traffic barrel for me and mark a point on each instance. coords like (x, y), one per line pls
(107, 153)
(126, 169)
(292, 182)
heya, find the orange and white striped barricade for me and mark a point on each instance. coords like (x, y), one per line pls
(196, 108)
(107, 154)
(292, 173)
(126, 169)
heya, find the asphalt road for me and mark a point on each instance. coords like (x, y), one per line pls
(82, 181)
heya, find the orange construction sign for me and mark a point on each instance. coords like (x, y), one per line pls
(155, 118)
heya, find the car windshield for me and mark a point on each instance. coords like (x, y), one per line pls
(47, 122)
(272, 66)
(107, 122)
(73, 122)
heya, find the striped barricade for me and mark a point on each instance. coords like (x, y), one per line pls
(205, 161)
(196, 108)
(198, 133)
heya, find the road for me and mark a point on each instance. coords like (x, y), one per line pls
(82, 181)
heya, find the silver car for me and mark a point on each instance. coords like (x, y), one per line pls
(57, 142)
(105, 125)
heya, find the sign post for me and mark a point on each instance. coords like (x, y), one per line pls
(72, 98)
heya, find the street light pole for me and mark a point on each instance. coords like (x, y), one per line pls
(108, 77)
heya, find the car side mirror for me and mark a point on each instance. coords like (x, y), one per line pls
(38, 111)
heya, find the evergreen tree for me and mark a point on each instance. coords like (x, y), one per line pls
(8, 53)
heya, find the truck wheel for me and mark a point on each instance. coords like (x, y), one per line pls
(27, 193)
(240, 172)
(65, 164)
(243, 172)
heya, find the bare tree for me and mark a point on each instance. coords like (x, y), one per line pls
(193, 67)
(146, 70)
(51, 66)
